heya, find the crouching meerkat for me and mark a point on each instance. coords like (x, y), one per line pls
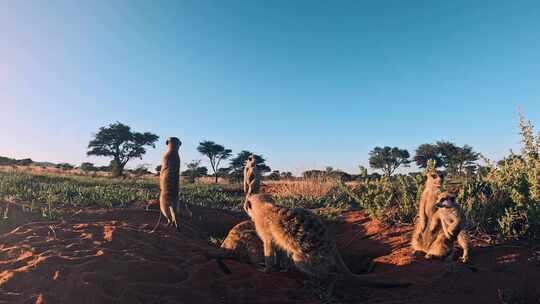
(169, 183)
(448, 226)
(305, 238)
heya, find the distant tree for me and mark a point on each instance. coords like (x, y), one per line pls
(88, 167)
(224, 173)
(426, 152)
(286, 175)
(65, 166)
(388, 159)
(314, 173)
(194, 171)
(363, 172)
(119, 142)
(215, 153)
(141, 170)
(24, 162)
(455, 158)
(340, 175)
(7, 161)
(274, 175)
(158, 170)
(510, 159)
(465, 158)
(236, 168)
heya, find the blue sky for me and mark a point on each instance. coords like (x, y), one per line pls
(307, 84)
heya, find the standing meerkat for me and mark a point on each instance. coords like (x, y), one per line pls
(450, 219)
(304, 237)
(432, 189)
(169, 182)
(252, 180)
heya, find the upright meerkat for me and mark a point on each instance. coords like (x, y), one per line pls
(169, 182)
(426, 209)
(303, 236)
(252, 180)
(450, 219)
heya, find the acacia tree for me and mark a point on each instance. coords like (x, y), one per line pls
(119, 142)
(445, 154)
(388, 159)
(194, 170)
(425, 152)
(215, 153)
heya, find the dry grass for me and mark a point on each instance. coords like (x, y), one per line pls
(314, 187)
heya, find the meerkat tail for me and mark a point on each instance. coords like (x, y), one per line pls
(157, 224)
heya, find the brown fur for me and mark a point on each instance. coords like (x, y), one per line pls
(169, 182)
(425, 211)
(449, 225)
(243, 241)
(305, 237)
(252, 181)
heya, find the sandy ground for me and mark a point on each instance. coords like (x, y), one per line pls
(110, 256)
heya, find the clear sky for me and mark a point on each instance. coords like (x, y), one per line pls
(307, 84)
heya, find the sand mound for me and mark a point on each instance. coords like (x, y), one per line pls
(109, 256)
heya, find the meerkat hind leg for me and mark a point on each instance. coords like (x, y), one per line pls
(268, 256)
(173, 217)
(463, 242)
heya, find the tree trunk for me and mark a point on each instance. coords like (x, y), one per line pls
(117, 169)
(216, 177)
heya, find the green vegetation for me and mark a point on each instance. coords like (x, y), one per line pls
(500, 198)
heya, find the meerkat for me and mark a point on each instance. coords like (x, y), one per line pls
(244, 242)
(252, 182)
(450, 219)
(305, 238)
(169, 182)
(425, 210)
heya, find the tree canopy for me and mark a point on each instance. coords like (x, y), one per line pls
(453, 158)
(194, 170)
(388, 159)
(119, 142)
(215, 153)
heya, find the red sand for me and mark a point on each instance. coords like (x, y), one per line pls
(109, 256)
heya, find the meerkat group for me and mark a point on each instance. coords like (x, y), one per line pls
(440, 222)
(303, 236)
